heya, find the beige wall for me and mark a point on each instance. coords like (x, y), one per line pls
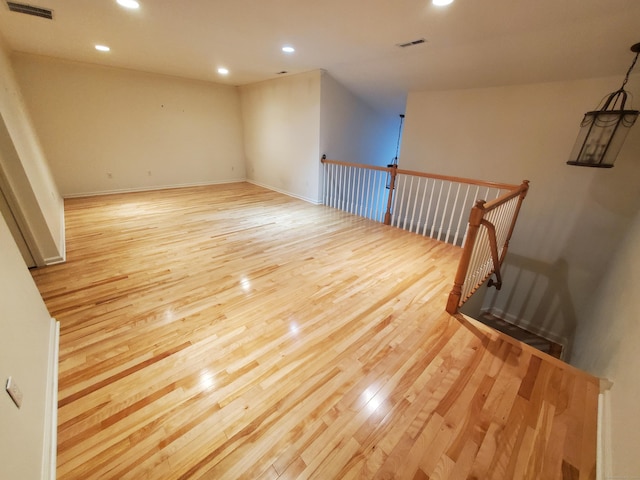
(607, 344)
(106, 129)
(574, 261)
(281, 126)
(351, 130)
(573, 219)
(25, 353)
(25, 172)
(290, 122)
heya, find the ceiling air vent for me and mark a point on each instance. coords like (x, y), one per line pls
(412, 43)
(30, 10)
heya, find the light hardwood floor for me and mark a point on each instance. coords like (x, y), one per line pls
(233, 332)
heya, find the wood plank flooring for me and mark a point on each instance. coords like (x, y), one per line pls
(233, 332)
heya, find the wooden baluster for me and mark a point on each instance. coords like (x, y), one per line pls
(395, 209)
(331, 181)
(375, 194)
(331, 169)
(444, 212)
(493, 247)
(524, 188)
(332, 186)
(339, 193)
(415, 204)
(367, 195)
(475, 218)
(327, 183)
(383, 196)
(426, 220)
(437, 209)
(324, 183)
(339, 189)
(346, 171)
(461, 216)
(475, 199)
(359, 191)
(347, 186)
(400, 212)
(424, 195)
(452, 214)
(393, 169)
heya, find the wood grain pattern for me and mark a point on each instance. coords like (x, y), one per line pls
(233, 332)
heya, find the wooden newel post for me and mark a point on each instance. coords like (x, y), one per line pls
(393, 170)
(475, 218)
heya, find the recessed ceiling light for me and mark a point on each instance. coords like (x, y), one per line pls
(441, 3)
(102, 48)
(128, 3)
(223, 71)
(288, 49)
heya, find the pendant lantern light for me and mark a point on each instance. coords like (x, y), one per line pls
(395, 159)
(602, 132)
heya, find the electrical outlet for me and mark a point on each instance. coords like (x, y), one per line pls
(14, 392)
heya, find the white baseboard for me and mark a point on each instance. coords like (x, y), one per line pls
(150, 188)
(50, 449)
(180, 185)
(600, 462)
(54, 260)
(284, 192)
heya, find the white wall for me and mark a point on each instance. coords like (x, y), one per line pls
(352, 131)
(281, 126)
(106, 129)
(290, 122)
(607, 345)
(25, 170)
(574, 262)
(25, 353)
(573, 218)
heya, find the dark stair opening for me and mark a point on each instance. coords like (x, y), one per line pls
(536, 341)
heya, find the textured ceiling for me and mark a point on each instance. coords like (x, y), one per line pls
(471, 43)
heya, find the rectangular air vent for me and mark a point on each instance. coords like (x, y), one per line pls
(30, 10)
(412, 43)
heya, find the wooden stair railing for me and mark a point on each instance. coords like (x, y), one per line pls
(485, 249)
(435, 206)
(428, 204)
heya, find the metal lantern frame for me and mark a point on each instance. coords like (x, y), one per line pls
(603, 132)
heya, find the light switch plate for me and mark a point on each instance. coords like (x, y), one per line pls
(14, 392)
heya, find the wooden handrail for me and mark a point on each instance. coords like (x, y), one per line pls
(515, 191)
(477, 219)
(485, 244)
(470, 181)
(357, 165)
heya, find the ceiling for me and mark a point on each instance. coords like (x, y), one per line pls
(471, 43)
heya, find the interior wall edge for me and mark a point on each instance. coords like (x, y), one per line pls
(284, 192)
(50, 450)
